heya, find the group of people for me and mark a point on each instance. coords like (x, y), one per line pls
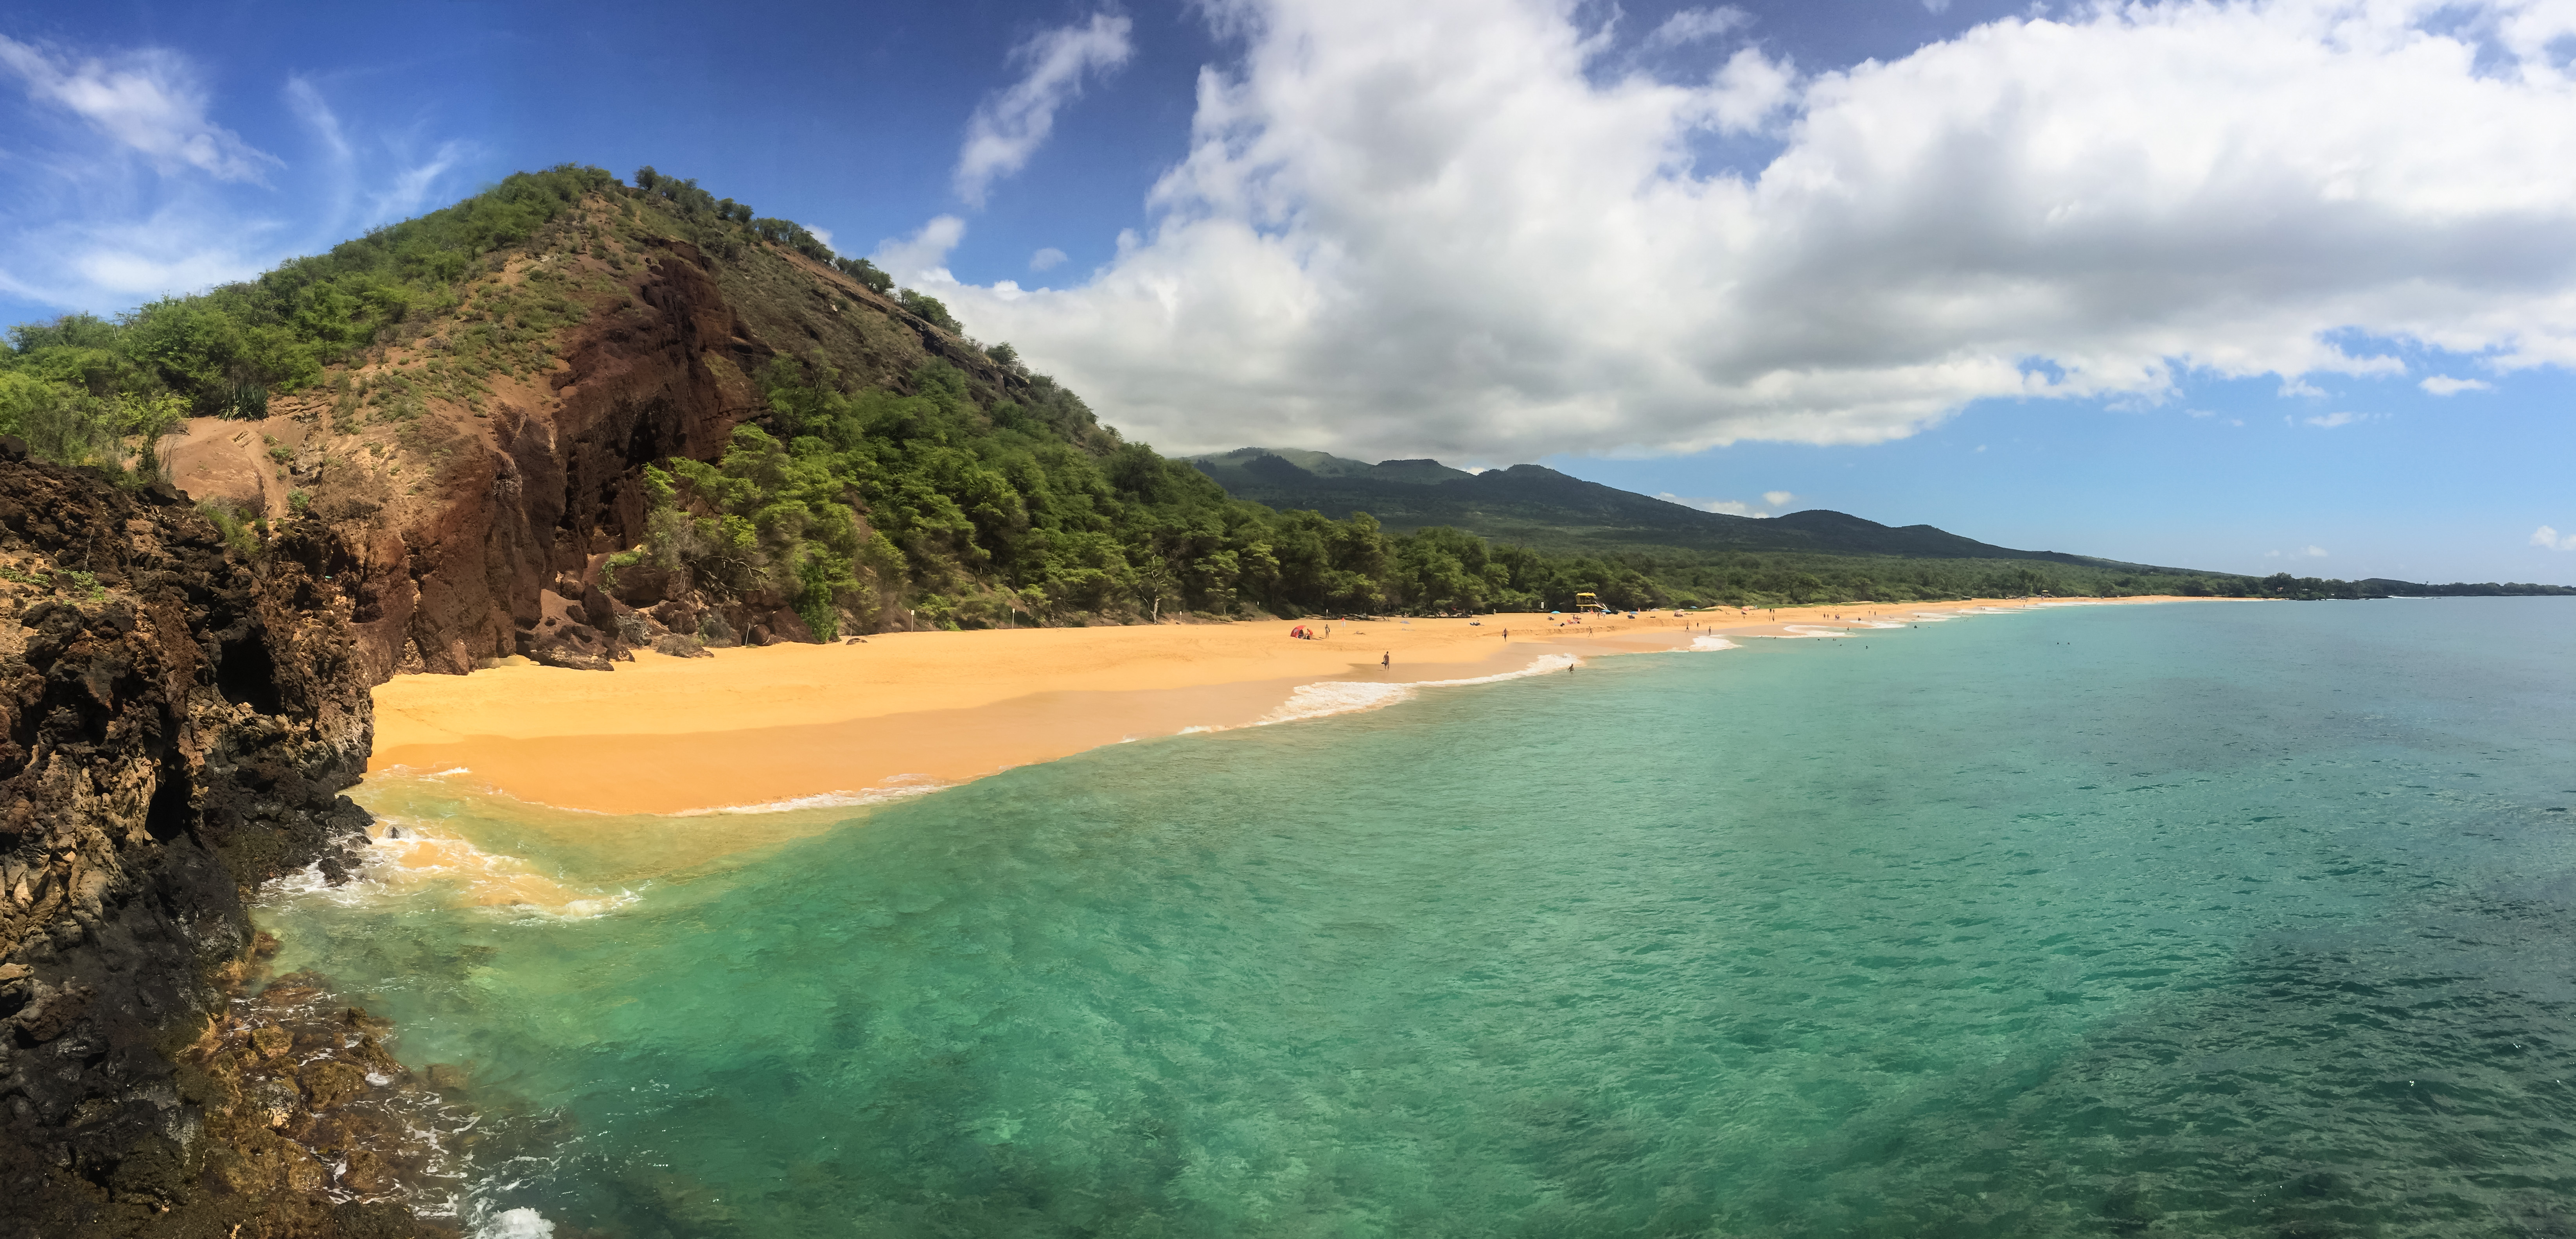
(1303, 633)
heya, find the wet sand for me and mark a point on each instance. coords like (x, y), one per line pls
(815, 724)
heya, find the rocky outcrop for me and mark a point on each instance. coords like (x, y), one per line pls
(522, 499)
(176, 720)
(471, 532)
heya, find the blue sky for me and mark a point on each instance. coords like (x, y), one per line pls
(2277, 286)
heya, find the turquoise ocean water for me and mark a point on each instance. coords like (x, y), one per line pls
(2224, 919)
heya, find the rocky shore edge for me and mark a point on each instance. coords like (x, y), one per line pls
(177, 719)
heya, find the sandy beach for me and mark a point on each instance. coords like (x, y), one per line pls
(792, 724)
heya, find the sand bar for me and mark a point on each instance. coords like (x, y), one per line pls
(797, 723)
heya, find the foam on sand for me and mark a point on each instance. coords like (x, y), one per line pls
(1346, 697)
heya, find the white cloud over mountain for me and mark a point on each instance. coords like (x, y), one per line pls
(125, 187)
(1448, 226)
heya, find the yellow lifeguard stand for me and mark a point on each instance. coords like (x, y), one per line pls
(1589, 602)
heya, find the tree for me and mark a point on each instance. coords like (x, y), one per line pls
(931, 309)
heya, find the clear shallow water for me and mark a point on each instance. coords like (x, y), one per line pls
(2216, 919)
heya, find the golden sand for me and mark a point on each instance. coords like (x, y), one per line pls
(797, 722)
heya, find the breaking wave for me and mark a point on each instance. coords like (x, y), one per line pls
(1346, 697)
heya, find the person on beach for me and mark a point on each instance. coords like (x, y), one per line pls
(1386, 659)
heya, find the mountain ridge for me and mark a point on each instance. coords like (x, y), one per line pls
(1552, 509)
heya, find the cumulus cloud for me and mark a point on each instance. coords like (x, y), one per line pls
(2444, 385)
(1047, 259)
(2552, 539)
(1011, 125)
(921, 258)
(1695, 25)
(147, 101)
(2329, 421)
(2311, 552)
(1771, 499)
(1452, 227)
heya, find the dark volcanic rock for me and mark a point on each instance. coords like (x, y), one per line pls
(175, 725)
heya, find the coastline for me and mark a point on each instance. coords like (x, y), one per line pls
(795, 726)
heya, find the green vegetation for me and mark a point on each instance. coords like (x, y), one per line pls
(242, 530)
(1029, 512)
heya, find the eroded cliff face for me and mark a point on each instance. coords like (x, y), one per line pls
(468, 504)
(176, 722)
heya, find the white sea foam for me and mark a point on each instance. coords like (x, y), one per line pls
(411, 856)
(900, 787)
(1713, 643)
(1813, 630)
(1346, 697)
(516, 1224)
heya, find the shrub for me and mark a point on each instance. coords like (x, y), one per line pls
(931, 309)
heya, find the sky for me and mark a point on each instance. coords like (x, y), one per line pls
(2251, 287)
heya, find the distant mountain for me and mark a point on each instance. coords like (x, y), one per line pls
(1539, 507)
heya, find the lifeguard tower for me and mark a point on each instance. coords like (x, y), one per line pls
(1589, 603)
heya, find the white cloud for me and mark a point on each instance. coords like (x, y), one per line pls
(2552, 539)
(147, 101)
(2202, 412)
(2329, 421)
(1694, 25)
(2295, 386)
(414, 188)
(921, 258)
(2444, 385)
(1772, 499)
(1010, 126)
(91, 226)
(1452, 227)
(1723, 507)
(1047, 259)
(2314, 552)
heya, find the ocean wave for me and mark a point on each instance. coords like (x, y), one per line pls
(1346, 697)
(900, 787)
(1713, 643)
(409, 857)
(1813, 630)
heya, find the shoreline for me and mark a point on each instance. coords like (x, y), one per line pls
(798, 726)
